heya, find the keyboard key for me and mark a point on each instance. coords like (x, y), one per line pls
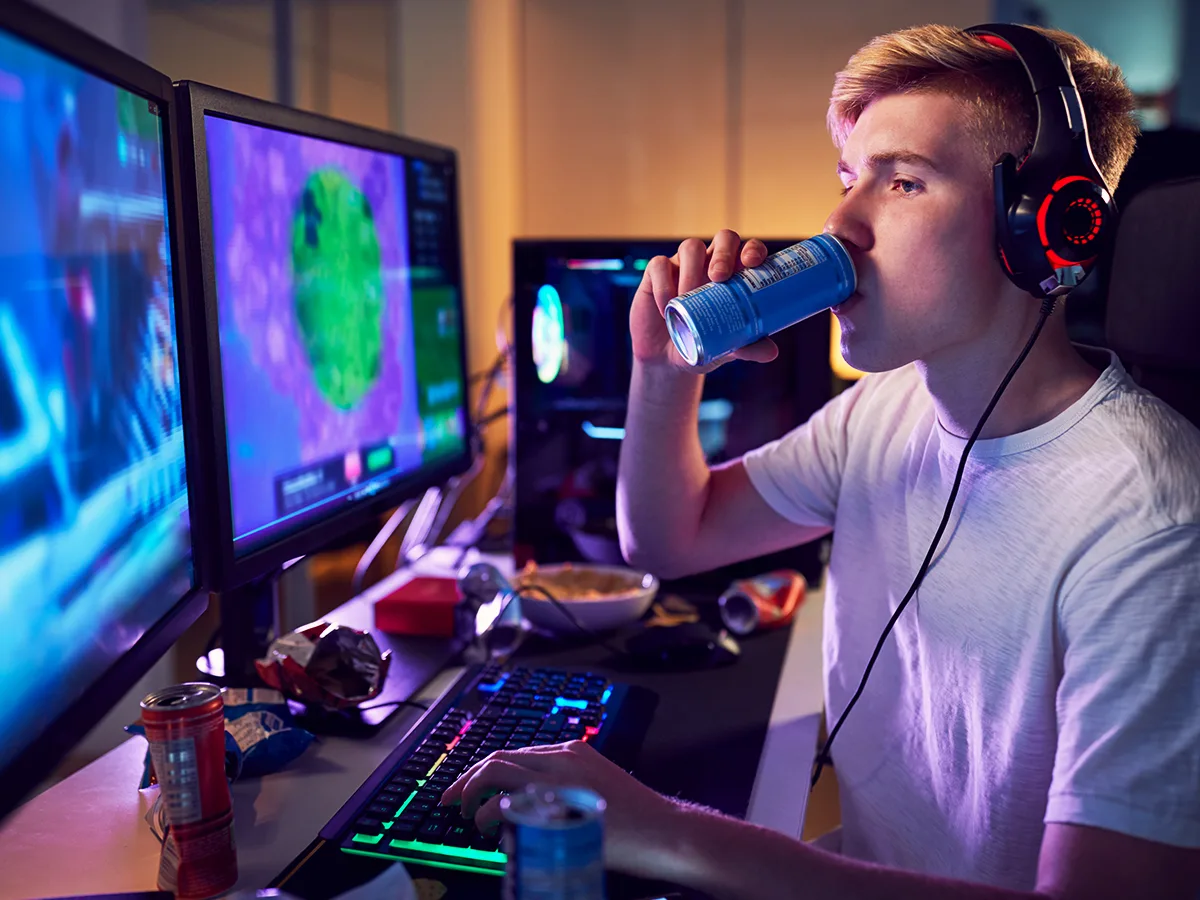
(368, 825)
(525, 712)
(403, 831)
(459, 836)
(432, 831)
(489, 841)
(459, 758)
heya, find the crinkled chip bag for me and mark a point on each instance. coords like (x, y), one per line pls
(326, 665)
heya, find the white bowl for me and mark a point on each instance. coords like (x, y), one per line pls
(597, 614)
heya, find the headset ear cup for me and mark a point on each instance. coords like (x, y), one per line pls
(1080, 221)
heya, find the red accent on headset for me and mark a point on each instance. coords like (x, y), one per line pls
(1058, 262)
(1041, 220)
(1041, 216)
(996, 42)
(1067, 179)
(1004, 259)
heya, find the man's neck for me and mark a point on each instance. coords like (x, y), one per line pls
(1052, 377)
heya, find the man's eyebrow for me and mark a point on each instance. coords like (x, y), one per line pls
(890, 159)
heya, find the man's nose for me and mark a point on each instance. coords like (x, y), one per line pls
(850, 222)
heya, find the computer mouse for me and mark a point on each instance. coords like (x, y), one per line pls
(689, 645)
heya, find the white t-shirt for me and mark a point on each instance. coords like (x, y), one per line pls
(1048, 668)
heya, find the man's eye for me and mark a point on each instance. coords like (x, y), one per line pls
(906, 186)
(846, 189)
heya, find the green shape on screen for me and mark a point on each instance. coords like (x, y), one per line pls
(339, 286)
(379, 459)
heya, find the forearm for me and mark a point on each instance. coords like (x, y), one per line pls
(663, 477)
(734, 860)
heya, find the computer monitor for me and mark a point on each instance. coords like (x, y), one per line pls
(95, 561)
(573, 361)
(328, 349)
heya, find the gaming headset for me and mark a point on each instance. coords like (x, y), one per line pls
(1054, 213)
(1054, 218)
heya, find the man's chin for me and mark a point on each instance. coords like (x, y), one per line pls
(871, 359)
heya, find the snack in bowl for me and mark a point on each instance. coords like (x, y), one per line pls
(599, 597)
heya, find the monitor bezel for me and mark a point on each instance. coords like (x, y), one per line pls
(219, 567)
(26, 771)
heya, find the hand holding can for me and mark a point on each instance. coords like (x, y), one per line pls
(713, 321)
(692, 266)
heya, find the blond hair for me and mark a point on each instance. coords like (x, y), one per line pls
(1003, 116)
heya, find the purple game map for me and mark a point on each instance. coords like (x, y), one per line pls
(315, 320)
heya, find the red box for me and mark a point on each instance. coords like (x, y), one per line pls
(423, 606)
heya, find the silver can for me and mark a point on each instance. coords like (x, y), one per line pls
(554, 840)
(712, 321)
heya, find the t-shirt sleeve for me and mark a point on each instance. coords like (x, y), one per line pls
(1128, 755)
(800, 474)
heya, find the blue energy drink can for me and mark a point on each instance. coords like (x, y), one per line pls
(554, 840)
(712, 321)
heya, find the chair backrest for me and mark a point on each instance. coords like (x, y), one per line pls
(1152, 318)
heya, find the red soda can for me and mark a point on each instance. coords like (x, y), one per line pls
(185, 727)
(767, 601)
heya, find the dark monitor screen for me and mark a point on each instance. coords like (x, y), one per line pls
(334, 289)
(573, 364)
(94, 529)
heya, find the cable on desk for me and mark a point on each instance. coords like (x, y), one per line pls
(562, 607)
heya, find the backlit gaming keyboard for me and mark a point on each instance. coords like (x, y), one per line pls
(395, 814)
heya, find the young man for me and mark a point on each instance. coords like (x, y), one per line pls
(1031, 727)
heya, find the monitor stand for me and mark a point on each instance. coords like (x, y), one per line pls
(249, 622)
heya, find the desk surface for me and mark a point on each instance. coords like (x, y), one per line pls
(87, 834)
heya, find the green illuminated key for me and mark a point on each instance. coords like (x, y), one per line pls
(462, 854)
